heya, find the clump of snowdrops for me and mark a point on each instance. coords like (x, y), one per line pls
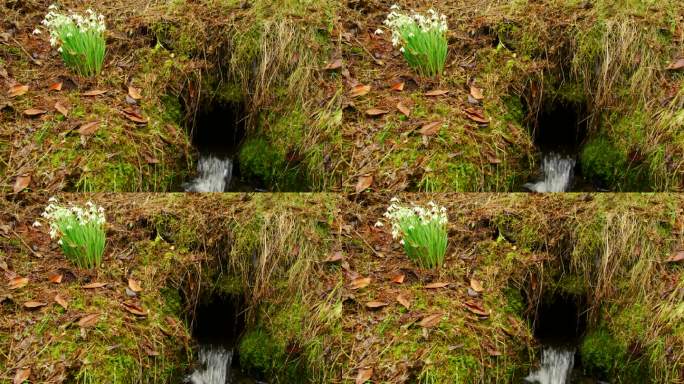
(80, 231)
(421, 38)
(80, 39)
(421, 230)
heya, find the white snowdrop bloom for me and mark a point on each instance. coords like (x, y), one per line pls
(36, 224)
(379, 32)
(36, 31)
(379, 224)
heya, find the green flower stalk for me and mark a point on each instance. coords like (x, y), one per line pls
(79, 231)
(80, 39)
(421, 39)
(422, 231)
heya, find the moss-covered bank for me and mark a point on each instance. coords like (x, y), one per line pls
(306, 132)
(292, 259)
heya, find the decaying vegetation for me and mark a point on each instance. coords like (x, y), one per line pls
(332, 106)
(330, 297)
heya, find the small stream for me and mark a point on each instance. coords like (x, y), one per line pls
(216, 329)
(556, 366)
(557, 174)
(216, 366)
(214, 174)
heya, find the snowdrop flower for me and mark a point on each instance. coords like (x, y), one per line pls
(36, 31)
(36, 224)
(379, 32)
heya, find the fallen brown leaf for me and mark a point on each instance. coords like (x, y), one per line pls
(61, 109)
(34, 304)
(134, 116)
(333, 65)
(476, 93)
(55, 278)
(18, 90)
(676, 65)
(335, 257)
(21, 183)
(88, 129)
(376, 304)
(94, 92)
(374, 112)
(134, 285)
(33, 112)
(404, 301)
(88, 321)
(18, 282)
(476, 309)
(476, 115)
(59, 300)
(676, 257)
(94, 285)
(436, 285)
(404, 109)
(55, 87)
(431, 129)
(364, 183)
(436, 92)
(135, 309)
(134, 92)
(22, 375)
(398, 279)
(360, 90)
(476, 285)
(359, 283)
(364, 375)
(430, 321)
(398, 86)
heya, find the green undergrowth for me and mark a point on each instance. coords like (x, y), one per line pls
(304, 323)
(611, 58)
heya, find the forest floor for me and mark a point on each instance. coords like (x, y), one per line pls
(328, 105)
(330, 297)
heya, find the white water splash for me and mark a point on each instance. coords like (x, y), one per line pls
(215, 362)
(214, 174)
(557, 170)
(556, 365)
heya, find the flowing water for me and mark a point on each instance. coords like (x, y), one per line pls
(556, 366)
(214, 174)
(216, 367)
(557, 170)
(215, 363)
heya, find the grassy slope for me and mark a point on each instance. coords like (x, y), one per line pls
(307, 324)
(608, 250)
(305, 129)
(162, 242)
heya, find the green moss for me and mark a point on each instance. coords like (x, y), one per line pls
(602, 162)
(260, 354)
(601, 354)
(261, 161)
(515, 302)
